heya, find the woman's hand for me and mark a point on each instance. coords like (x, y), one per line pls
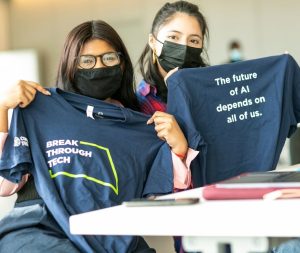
(20, 94)
(168, 130)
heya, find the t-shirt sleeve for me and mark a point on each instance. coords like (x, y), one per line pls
(180, 106)
(16, 156)
(160, 176)
(291, 94)
(296, 89)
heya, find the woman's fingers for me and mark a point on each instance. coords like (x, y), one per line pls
(163, 126)
(38, 87)
(26, 93)
(160, 117)
(26, 98)
(168, 130)
(22, 93)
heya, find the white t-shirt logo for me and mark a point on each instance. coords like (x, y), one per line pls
(23, 141)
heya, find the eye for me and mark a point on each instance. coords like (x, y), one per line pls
(110, 59)
(195, 41)
(172, 37)
(86, 61)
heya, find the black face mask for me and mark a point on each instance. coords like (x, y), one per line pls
(100, 83)
(176, 55)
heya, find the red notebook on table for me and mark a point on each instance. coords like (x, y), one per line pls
(252, 185)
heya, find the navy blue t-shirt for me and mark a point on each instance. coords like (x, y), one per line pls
(243, 111)
(85, 155)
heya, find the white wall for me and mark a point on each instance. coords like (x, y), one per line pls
(4, 25)
(264, 27)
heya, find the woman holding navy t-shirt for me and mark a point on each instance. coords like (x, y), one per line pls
(93, 54)
(176, 40)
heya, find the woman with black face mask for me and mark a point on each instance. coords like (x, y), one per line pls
(94, 63)
(176, 40)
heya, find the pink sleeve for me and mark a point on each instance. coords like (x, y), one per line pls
(181, 169)
(8, 188)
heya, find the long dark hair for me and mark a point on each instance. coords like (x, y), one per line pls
(72, 47)
(148, 69)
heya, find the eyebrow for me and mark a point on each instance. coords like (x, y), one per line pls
(197, 35)
(98, 54)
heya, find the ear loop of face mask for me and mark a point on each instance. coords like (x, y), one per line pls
(155, 56)
(157, 39)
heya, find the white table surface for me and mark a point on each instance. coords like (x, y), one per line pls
(238, 218)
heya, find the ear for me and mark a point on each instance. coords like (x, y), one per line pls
(151, 41)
